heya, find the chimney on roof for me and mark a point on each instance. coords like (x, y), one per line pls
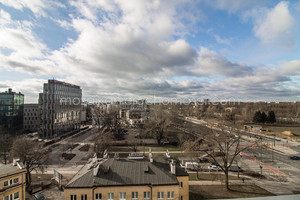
(150, 156)
(105, 154)
(96, 169)
(9, 90)
(173, 167)
(15, 161)
(168, 154)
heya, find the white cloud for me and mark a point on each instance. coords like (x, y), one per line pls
(209, 62)
(222, 40)
(129, 49)
(36, 6)
(291, 68)
(274, 26)
(29, 87)
(23, 51)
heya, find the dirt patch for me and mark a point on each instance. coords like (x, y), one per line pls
(288, 133)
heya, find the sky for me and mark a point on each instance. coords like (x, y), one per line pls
(246, 50)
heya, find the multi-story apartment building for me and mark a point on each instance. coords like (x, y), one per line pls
(59, 108)
(133, 178)
(134, 112)
(11, 110)
(30, 118)
(12, 182)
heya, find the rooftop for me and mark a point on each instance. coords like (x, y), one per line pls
(9, 169)
(116, 172)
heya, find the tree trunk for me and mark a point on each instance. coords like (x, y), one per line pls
(28, 179)
(227, 179)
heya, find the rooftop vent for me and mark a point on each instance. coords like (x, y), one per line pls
(116, 157)
(105, 169)
(146, 168)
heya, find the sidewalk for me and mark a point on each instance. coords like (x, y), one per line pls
(275, 188)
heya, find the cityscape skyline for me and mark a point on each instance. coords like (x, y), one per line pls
(247, 50)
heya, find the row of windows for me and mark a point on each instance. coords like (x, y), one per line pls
(30, 110)
(11, 182)
(134, 195)
(30, 114)
(30, 118)
(14, 196)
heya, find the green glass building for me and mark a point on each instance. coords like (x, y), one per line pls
(11, 110)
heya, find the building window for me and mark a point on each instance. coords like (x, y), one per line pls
(16, 180)
(5, 183)
(110, 196)
(83, 197)
(16, 195)
(122, 195)
(160, 195)
(170, 195)
(98, 196)
(9, 197)
(135, 195)
(146, 195)
(180, 184)
(180, 198)
(73, 197)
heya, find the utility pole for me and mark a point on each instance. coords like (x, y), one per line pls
(261, 147)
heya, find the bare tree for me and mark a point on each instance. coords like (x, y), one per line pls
(224, 144)
(192, 151)
(158, 123)
(31, 155)
(101, 142)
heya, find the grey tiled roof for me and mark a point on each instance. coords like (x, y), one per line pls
(127, 172)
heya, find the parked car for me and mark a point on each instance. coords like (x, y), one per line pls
(203, 160)
(235, 168)
(294, 157)
(214, 168)
(39, 196)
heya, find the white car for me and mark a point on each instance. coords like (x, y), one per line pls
(214, 168)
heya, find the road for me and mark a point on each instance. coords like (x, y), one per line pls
(63, 145)
(280, 170)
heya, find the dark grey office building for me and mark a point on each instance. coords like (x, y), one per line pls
(59, 108)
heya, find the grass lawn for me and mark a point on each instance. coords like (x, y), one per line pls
(212, 177)
(44, 177)
(219, 191)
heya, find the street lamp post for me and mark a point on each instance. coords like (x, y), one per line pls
(260, 165)
(237, 164)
